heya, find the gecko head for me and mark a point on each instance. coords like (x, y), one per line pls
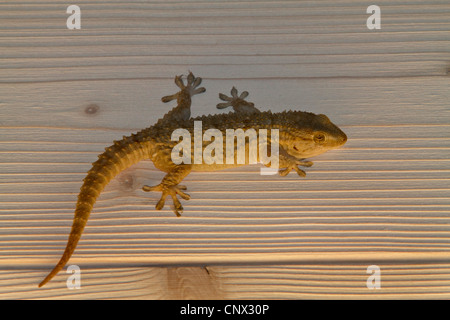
(312, 135)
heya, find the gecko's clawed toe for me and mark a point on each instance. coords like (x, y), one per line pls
(304, 163)
(160, 203)
(190, 78)
(300, 172)
(284, 172)
(177, 207)
(223, 105)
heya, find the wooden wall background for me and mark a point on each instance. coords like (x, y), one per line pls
(381, 200)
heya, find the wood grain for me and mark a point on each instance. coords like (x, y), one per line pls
(383, 199)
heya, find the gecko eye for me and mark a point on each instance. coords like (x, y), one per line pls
(319, 137)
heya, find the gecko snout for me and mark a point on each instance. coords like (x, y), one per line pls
(342, 139)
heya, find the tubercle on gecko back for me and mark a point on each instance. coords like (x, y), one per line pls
(116, 158)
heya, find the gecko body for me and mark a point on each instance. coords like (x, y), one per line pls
(301, 135)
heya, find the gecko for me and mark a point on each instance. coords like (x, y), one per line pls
(301, 135)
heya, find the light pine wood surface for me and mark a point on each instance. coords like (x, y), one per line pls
(382, 199)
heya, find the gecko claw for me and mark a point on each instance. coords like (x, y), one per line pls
(179, 82)
(166, 99)
(173, 191)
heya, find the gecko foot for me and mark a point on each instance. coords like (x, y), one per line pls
(172, 191)
(294, 166)
(238, 103)
(190, 89)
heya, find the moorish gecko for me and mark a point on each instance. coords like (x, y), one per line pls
(301, 135)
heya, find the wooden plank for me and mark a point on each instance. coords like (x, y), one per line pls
(310, 281)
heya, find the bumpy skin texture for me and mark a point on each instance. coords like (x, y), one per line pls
(301, 135)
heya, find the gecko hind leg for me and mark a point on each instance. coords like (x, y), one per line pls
(169, 187)
(169, 191)
(183, 110)
(238, 103)
(190, 89)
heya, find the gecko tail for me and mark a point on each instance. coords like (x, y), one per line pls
(80, 220)
(62, 262)
(57, 268)
(116, 158)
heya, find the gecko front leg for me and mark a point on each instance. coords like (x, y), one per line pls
(169, 186)
(289, 163)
